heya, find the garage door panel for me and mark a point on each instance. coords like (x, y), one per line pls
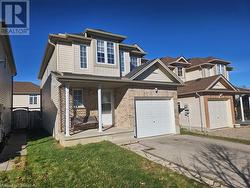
(219, 114)
(154, 117)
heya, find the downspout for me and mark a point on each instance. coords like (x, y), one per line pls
(202, 126)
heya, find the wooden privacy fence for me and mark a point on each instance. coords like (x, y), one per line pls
(25, 118)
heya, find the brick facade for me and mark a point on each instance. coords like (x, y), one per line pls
(124, 103)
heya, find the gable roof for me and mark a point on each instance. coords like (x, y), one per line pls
(142, 68)
(25, 88)
(104, 33)
(172, 60)
(205, 60)
(204, 84)
(5, 40)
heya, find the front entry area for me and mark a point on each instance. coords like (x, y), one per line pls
(107, 107)
(220, 114)
(154, 117)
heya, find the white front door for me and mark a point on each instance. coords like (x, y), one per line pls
(220, 114)
(107, 107)
(154, 117)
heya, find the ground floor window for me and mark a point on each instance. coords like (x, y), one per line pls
(33, 99)
(77, 97)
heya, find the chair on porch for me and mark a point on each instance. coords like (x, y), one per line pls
(84, 123)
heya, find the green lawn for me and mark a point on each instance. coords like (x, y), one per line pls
(200, 134)
(94, 165)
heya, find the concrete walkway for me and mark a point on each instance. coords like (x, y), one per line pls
(16, 146)
(239, 133)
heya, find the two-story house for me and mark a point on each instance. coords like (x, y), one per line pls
(95, 80)
(7, 72)
(208, 100)
(26, 95)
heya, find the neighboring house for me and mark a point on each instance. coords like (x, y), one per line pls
(26, 95)
(208, 100)
(7, 72)
(95, 76)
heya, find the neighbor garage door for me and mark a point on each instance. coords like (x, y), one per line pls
(220, 114)
(154, 117)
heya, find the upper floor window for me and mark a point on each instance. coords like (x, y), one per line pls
(133, 63)
(77, 97)
(220, 69)
(111, 53)
(105, 52)
(100, 51)
(122, 61)
(179, 71)
(83, 56)
(33, 99)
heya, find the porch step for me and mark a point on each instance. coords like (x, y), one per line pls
(118, 138)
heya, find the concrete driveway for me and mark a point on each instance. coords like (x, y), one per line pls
(224, 161)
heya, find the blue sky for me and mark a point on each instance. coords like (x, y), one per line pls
(192, 28)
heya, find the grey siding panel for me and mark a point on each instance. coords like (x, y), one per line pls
(5, 95)
(50, 106)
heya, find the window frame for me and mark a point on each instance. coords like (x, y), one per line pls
(220, 68)
(80, 56)
(32, 98)
(122, 54)
(131, 57)
(179, 67)
(73, 95)
(105, 53)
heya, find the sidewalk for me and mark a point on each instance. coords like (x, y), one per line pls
(16, 146)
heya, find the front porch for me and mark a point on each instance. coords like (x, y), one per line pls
(89, 111)
(242, 108)
(113, 134)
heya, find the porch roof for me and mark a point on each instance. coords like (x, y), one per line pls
(111, 81)
(205, 85)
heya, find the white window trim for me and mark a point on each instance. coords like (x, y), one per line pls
(81, 106)
(106, 53)
(220, 69)
(121, 51)
(33, 97)
(182, 70)
(86, 56)
(130, 61)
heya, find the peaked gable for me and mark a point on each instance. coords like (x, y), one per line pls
(155, 70)
(155, 73)
(221, 83)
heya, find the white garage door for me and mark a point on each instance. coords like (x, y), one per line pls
(220, 114)
(154, 117)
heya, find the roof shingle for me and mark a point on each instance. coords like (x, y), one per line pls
(197, 85)
(25, 88)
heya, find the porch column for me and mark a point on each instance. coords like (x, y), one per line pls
(249, 101)
(99, 92)
(67, 110)
(242, 109)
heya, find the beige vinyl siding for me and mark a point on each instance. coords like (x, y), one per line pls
(194, 120)
(193, 75)
(69, 60)
(51, 106)
(52, 66)
(23, 101)
(65, 61)
(105, 69)
(5, 94)
(155, 74)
